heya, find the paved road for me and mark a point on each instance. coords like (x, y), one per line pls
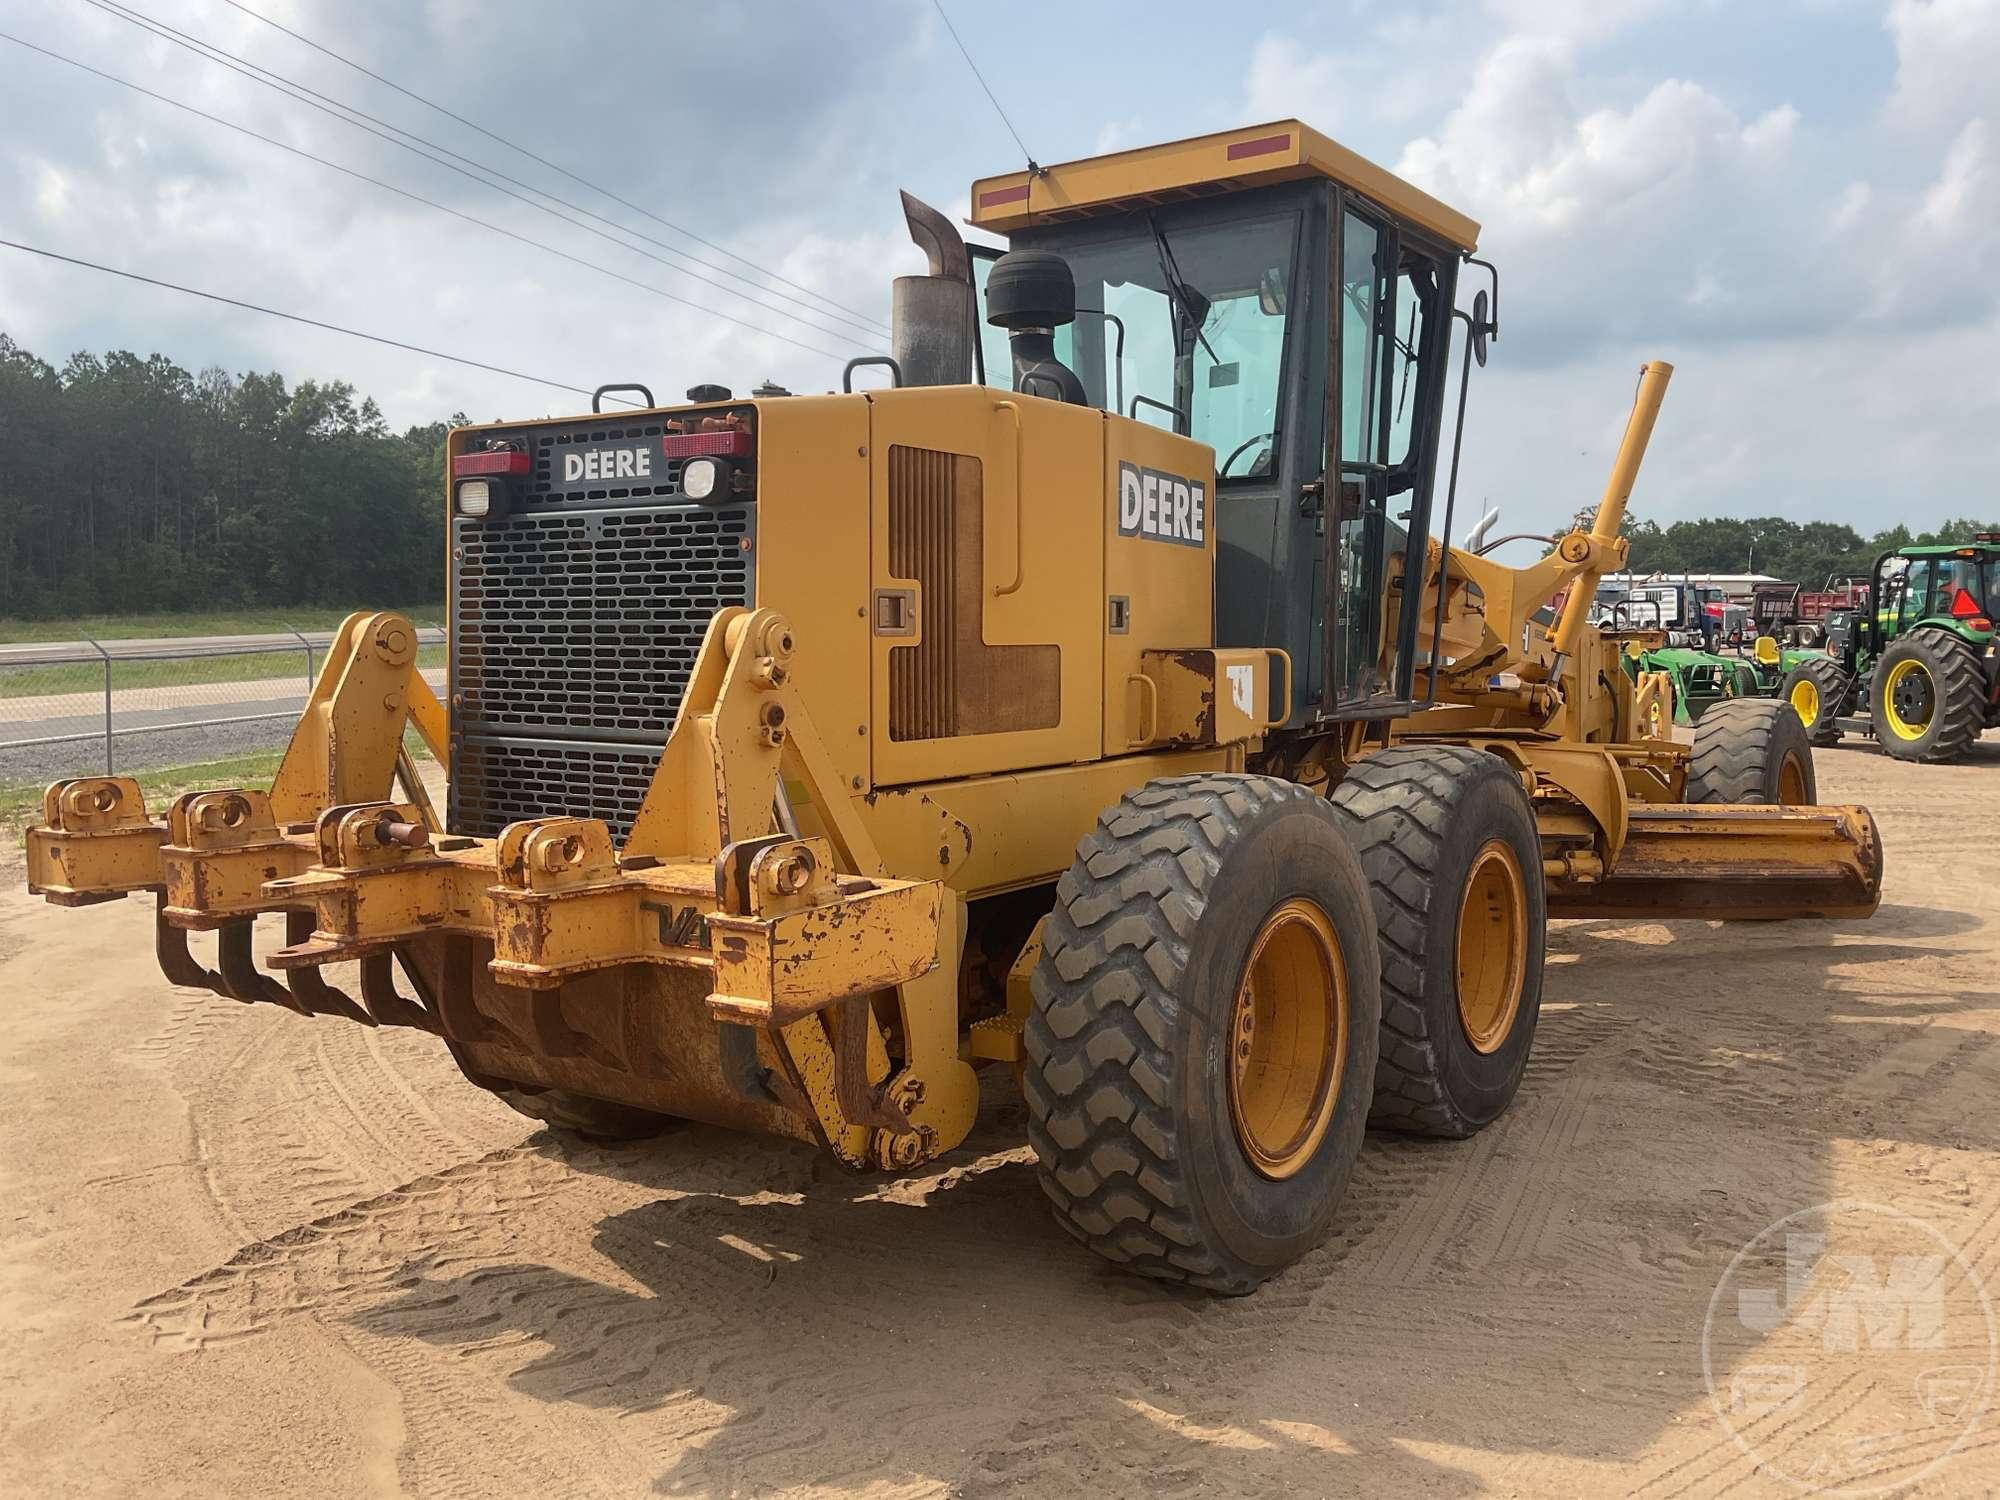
(22, 653)
(153, 726)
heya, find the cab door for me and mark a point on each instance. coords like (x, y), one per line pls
(1392, 293)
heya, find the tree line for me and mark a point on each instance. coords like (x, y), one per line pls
(1805, 552)
(129, 485)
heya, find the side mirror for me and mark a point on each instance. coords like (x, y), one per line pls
(1271, 293)
(1481, 327)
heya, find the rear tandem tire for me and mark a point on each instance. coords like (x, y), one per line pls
(1752, 750)
(1447, 837)
(1201, 1048)
(1816, 689)
(572, 1113)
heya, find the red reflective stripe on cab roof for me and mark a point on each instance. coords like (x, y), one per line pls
(1262, 146)
(1003, 195)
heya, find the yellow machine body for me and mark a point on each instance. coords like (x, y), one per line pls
(979, 618)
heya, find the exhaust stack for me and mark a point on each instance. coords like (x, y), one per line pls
(930, 317)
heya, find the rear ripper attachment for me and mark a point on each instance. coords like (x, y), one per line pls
(716, 967)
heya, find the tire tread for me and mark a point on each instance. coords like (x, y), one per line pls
(1097, 1079)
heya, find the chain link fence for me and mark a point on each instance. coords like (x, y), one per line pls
(71, 708)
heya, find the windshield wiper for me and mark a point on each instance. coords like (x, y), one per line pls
(1191, 304)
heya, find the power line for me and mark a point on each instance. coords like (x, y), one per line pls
(327, 105)
(272, 312)
(1033, 167)
(552, 166)
(390, 187)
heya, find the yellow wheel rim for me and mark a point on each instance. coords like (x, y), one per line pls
(1910, 680)
(1792, 783)
(1288, 1039)
(1492, 947)
(1805, 701)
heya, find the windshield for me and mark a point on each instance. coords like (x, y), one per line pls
(1222, 387)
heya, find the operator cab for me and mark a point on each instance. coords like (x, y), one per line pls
(1204, 274)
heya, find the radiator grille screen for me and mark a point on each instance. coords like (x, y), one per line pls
(573, 636)
(498, 782)
(584, 625)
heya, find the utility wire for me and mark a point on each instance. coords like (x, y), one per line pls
(327, 105)
(679, 229)
(272, 312)
(1034, 168)
(389, 187)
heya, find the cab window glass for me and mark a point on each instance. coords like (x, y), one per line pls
(1415, 292)
(1235, 378)
(1141, 319)
(1360, 302)
(1221, 387)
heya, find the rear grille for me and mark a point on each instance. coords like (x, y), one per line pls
(496, 782)
(573, 636)
(585, 625)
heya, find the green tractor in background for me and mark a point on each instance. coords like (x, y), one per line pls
(1661, 624)
(1915, 665)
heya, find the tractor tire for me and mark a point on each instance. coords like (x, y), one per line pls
(570, 1113)
(1928, 699)
(1200, 1052)
(1454, 862)
(1817, 690)
(1752, 750)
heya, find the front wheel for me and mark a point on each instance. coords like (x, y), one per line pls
(1200, 1053)
(1816, 689)
(1447, 837)
(1752, 750)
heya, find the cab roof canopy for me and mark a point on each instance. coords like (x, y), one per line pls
(1204, 167)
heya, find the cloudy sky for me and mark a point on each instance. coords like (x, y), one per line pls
(1795, 201)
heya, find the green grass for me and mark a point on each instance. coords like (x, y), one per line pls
(21, 802)
(88, 677)
(265, 621)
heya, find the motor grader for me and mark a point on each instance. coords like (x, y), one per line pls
(1088, 700)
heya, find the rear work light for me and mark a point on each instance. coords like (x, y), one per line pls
(475, 498)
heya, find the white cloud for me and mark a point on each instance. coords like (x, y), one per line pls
(1831, 327)
(1570, 20)
(1847, 211)
(51, 192)
(1285, 80)
(1964, 181)
(1947, 61)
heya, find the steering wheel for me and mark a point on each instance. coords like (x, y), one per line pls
(1237, 452)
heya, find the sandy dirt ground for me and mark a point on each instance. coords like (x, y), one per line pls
(243, 1253)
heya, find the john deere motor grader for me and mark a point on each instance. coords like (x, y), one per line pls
(1094, 703)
